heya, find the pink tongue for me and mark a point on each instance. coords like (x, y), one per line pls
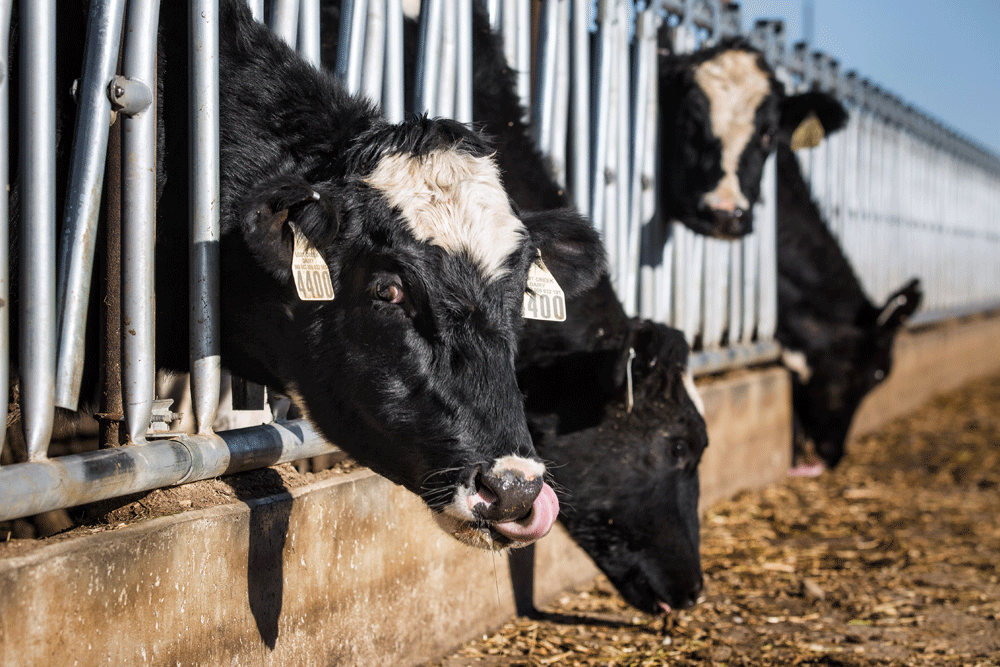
(665, 607)
(537, 524)
(814, 470)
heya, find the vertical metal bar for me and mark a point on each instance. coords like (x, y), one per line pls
(445, 103)
(374, 51)
(580, 104)
(522, 36)
(285, 20)
(624, 147)
(257, 9)
(350, 59)
(204, 254)
(602, 129)
(139, 222)
(38, 220)
(463, 69)
(543, 104)
(83, 197)
(425, 94)
(310, 41)
(393, 105)
(6, 7)
(766, 221)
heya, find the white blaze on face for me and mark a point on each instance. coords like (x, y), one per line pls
(735, 86)
(453, 200)
(411, 9)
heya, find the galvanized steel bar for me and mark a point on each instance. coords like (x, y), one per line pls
(310, 28)
(83, 197)
(445, 103)
(580, 104)
(463, 65)
(204, 252)
(285, 20)
(393, 105)
(38, 224)
(257, 9)
(139, 222)
(374, 52)
(68, 481)
(425, 93)
(6, 7)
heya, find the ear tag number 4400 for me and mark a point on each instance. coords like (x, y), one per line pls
(544, 299)
(311, 274)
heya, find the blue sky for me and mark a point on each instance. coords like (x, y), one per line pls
(943, 57)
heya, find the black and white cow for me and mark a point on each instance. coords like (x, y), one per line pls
(609, 402)
(410, 366)
(837, 342)
(719, 110)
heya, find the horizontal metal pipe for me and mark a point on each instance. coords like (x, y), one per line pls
(68, 481)
(734, 356)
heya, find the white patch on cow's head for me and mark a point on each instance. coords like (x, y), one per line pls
(735, 86)
(795, 360)
(411, 9)
(453, 200)
(692, 391)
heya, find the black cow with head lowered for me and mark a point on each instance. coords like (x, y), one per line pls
(837, 342)
(609, 402)
(409, 366)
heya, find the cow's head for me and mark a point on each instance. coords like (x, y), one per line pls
(409, 367)
(844, 363)
(721, 113)
(626, 466)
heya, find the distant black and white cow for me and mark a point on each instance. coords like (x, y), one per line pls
(409, 366)
(838, 343)
(718, 113)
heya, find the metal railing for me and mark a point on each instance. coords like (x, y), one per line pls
(893, 179)
(905, 195)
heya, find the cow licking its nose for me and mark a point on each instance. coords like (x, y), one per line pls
(510, 502)
(506, 496)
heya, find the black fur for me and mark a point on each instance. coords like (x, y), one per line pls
(822, 308)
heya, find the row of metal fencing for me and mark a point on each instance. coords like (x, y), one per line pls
(905, 195)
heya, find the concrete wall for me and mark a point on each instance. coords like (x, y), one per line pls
(353, 570)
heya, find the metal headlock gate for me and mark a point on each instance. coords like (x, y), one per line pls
(590, 91)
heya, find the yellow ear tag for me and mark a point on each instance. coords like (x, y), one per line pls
(809, 133)
(311, 274)
(544, 299)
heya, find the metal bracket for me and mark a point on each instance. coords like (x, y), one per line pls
(128, 96)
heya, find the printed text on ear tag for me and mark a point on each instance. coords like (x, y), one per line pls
(311, 274)
(544, 299)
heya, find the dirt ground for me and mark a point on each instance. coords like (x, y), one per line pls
(889, 560)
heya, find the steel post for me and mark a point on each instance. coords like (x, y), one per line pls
(204, 252)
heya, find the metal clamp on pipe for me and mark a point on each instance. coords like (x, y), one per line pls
(128, 96)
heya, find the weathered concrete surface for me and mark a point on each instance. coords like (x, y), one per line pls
(749, 422)
(346, 572)
(354, 571)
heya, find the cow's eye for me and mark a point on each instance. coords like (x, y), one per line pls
(390, 292)
(678, 449)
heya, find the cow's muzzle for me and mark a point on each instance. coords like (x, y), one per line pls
(730, 224)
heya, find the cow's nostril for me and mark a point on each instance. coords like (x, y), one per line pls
(513, 495)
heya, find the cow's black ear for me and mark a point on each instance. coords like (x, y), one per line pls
(570, 246)
(313, 208)
(814, 114)
(900, 305)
